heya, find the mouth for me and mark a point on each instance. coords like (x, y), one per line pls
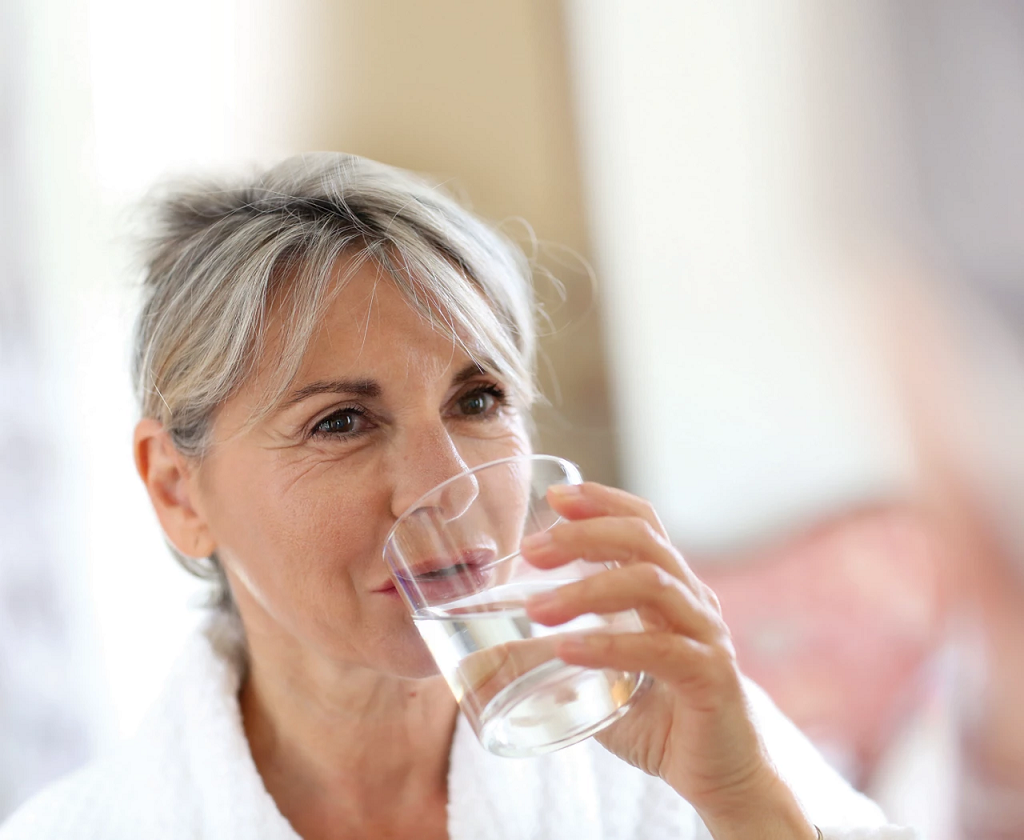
(444, 578)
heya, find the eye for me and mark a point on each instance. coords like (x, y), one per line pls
(347, 422)
(482, 401)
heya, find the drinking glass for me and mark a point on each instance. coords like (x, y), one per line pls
(455, 559)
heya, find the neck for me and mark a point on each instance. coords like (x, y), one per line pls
(342, 742)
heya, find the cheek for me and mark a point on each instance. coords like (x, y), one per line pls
(503, 499)
(503, 442)
(504, 494)
(306, 540)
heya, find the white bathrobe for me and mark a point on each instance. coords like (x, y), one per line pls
(188, 773)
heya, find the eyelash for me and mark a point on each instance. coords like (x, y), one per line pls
(494, 390)
(341, 412)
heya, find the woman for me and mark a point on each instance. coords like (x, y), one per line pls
(317, 348)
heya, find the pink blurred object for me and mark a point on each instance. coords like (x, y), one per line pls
(838, 625)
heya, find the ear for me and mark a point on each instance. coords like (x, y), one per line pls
(170, 481)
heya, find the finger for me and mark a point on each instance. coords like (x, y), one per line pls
(590, 499)
(608, 539)
(700, 670)
(663, 602)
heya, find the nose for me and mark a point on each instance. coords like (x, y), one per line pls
(426, 460)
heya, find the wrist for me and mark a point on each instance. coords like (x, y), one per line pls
(766, 810)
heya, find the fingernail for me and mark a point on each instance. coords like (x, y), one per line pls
(565, 491)
(536, 543)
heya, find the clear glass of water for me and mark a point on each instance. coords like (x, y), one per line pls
(455, 559)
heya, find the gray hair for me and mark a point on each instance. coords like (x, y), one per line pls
(220, 255)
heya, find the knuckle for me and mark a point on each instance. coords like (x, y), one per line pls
(717, 672)
(650, 514)
(723, 661)
(712, 599)
(647, 507)
(641, 528)
(719, 631)
(652, 577)
(663, 645)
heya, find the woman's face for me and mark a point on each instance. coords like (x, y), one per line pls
(383, 409)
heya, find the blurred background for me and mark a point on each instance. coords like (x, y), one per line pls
(802, 337)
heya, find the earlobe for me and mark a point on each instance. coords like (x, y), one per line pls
(166, 474)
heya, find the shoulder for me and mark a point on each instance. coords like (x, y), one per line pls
(111, 799)
(144, 788)
(154, 784)
(63, 810)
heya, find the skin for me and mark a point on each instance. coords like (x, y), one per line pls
(348, 723)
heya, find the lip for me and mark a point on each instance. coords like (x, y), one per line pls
(469, 572)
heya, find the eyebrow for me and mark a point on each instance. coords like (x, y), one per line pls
(355, 387)
(363, 387)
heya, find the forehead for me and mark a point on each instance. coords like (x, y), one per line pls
(371, 330)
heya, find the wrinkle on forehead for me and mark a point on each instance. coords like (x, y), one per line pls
(364, 300)
(370, 306)
(371, 326)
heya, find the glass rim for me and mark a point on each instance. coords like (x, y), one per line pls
(571, 469)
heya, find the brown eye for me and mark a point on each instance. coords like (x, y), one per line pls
(481, 402)
(341, 423)
(478, 403)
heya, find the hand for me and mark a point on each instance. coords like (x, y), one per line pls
(693, 728)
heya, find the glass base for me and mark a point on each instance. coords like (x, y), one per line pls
(555, 706)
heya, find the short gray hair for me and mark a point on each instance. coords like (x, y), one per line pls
(219, 255)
